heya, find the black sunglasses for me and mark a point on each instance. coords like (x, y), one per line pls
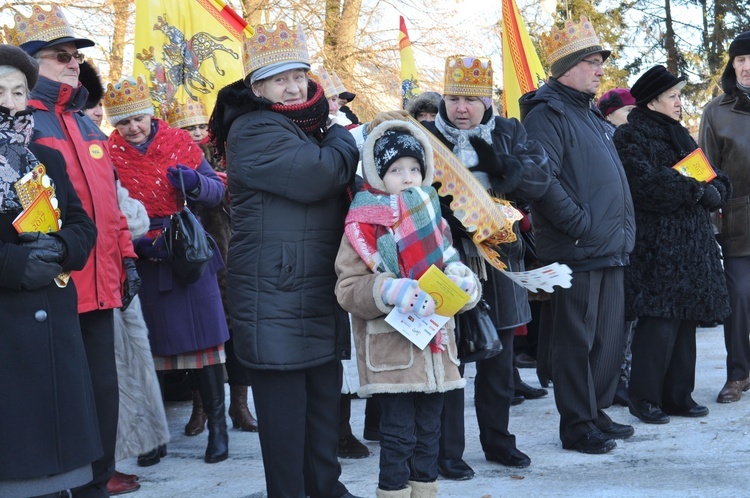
(64, 57)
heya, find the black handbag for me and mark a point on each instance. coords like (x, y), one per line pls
(476, 336)
(188, 244)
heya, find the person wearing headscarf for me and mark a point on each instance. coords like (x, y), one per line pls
(675, 278)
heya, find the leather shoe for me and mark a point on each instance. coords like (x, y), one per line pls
(125, 477)
(544, 381)
(529, 392)
(350, 447)
(647, 411)
(617, 431)
(517, 400)
(152, 457)
(117, 487)
(592, 443)
(524, 360)
(732, 390)
(510, 458)
(693, 412)
(455, 469)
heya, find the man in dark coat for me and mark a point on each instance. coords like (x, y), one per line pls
(586, 221)
(723, 138)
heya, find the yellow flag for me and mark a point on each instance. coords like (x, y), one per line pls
(189, 49)
(409, 81)
(522, 70)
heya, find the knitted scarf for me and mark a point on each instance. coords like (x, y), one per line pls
(15, 157)
(310, 116)
(680, 137)
(145, 175)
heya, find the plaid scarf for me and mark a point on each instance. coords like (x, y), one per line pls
(403, 234)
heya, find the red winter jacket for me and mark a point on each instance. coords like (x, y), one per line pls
(59, 125)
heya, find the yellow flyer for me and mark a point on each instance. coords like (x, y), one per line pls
(449, 298)
(696, 165)
(38, 217)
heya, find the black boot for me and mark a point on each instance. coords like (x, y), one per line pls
(211, 385)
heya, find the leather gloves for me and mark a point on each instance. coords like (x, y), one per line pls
(405, 294)
(398, 115)
(38, 273)
(132, 283)
(189, 177)
(505, 170)
(44, 247)
(711, 198)
(148, 248)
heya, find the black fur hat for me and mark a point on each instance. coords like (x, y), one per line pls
(89, 78)
(653, 83)
(739, 46)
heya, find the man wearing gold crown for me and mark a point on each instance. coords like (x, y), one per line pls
(109, 279)
(586, 221)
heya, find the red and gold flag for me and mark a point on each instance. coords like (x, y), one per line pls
(522, 70)
(188, 49)
(409, 81)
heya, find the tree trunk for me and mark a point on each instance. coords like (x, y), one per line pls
(673, 56)
(252, 11)
(116, 57)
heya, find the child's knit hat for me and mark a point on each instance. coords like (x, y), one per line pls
(393, 145)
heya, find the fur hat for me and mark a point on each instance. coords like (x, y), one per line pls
(615, 99)
(739, 46)
(89, 78)
(15, 57)
(567, 47)
(425, 102)
(653, 83)
(370, 166)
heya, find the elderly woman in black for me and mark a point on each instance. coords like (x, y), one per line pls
(48, 424)
(675, 277)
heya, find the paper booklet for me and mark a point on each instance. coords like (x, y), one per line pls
(449, 299)
(40, 210)
(696, 165)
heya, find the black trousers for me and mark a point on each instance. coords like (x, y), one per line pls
(298, 414)
(663, 368)
(237, 373)
(588, 323)
(737, 324)
(493, 393)
(98, 333)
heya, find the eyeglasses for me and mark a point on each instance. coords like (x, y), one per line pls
(64, 57)
(594, 64)
(196, 127)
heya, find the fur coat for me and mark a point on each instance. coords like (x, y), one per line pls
(675, 268)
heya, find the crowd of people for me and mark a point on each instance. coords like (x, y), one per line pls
(321, 226)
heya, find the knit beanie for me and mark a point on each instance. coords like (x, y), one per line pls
(568, 62)
(739, 46)
(15, 57)
(653, 83)
(613, 100)
(393, 145)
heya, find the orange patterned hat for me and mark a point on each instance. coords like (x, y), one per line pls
(188, 114)
(42, 29)
(468, 76)
(567, 47)
(272, 50)
(127, 98)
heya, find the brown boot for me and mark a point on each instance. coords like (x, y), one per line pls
(238, 411)
(197, 422)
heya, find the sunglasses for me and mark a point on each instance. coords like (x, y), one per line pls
(64, 57)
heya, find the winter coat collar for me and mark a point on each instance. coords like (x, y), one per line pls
(49, 95)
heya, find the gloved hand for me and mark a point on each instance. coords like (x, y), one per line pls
(189, 177)
(132, 283)
(148, 248)
(398, 115)
(505, 169)
(711, 198)
(405, 294)
(44, 246)
(39, 273)
(467, 284)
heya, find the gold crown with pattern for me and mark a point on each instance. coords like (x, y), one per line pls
(468, 76)
(127, 98)
(188, 114)
(41, 25)
(575, 36)
(332, 85)
(273, 45)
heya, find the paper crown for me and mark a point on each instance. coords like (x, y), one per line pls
(576, 36)
(127, 98)
(332, 85)
(273, 45)
(42, 25)
(188, 114)
(468, 76)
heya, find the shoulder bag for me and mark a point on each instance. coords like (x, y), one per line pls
(476, 336)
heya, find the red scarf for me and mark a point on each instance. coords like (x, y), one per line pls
(145, 175)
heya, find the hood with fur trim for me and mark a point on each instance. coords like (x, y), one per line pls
(369, 168)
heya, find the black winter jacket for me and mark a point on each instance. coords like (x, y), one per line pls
(675, 268)
(289, 200)
(585, 219)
